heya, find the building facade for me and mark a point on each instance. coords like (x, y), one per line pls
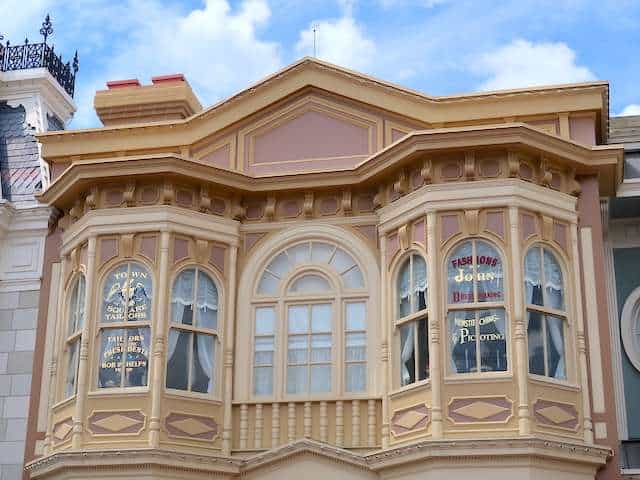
(621, 217)
(36, 91)
(331, 273)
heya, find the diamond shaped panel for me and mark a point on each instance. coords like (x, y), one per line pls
(556, 414)
(480, 410)
(115, 423)
(191, 426)
(410, 419)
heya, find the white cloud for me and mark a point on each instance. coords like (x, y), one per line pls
(523, 64)
(632, 109)
(386, 4)
(341, 41)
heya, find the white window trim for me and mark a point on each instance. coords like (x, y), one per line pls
(631, 315)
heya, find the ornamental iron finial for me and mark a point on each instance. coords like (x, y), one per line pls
(47, 28)
(76, 63)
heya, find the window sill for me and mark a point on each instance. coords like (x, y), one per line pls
(64, 403)
(331, 398)
(479, 377)
(411, 387)
(552, 382)
(109, 392)
(181, 394)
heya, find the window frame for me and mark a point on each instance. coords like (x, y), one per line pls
(100, 326)
(193, 330)
(412, 318)
(74, 337)
(338, 297)
(476, 306)
(544, 311)
(630, 315)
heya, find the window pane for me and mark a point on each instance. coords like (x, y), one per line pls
(265, 320)
(356, 316)
(553, 281)
(321, 252)
(407, 354)
(111, 347)
(423, 350)
(356, 347)
(460, 274)
(489, 273)
(342, 261)
(268, 284)
(73, 309)
(182, 297)
(81, 302)
(403, 287)
(356, 377)
(113, 295)
(555, 348)
(321, 317)
(297, 349)
(202, 372)
(298, 319)
(264, 351)
(137, 357)
(299, 254)
(320, 348)
(280, 265)
(263, 380)
(207, 302)
(140, 293)
(419, 283)
(535, 341)
(178, 359)
(353, 278)
(320, 378)
(532, 277)
(310, 284)
(462, 335)
(493, 340)
(72, 369)
(297, 379)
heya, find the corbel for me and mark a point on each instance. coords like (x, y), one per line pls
(168, 193)
(128, 196)
(126, 245)
(547, 228)
(238, 210)
(426, 172)
(65, 221)
(471, 221)
(307, 206)
(513, 164)
(469, 165)
(403, 237)
(76, 211)
(401, 185)
(91, 200)
(379, 197)
(545, 173)
(204, 202)
(346, 202)
(270, 208)
(202, 251)
(574, 185)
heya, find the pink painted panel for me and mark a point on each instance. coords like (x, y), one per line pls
(255, 210)
(560, 234)
(180, 249)
(57, 169)
(250, 239)
(219, 157)
(526, 171)
(113, 197)
(490, 168)
(328, 206)
(365, 203)
(325, 165)
(311, 135)
(393, 245)
(551, 126)
(569, 420)
(217, 257)
(583, 130)
(495, 223)
(369, 231)
(184, 198)
(289, 208)
(528, 225)
(416, 180)
(149, 195)
(148, 247)
(450, 227)
(556, 180)
(397, 135)
(218, 206)
(418, 232)
(108, 249)
(451, 170)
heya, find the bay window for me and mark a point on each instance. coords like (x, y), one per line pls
(546, 312)
(411, 321)
(193, 333)
(75, 322)
(125, 327)
(476, 318)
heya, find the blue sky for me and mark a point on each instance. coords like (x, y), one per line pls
(436, 46)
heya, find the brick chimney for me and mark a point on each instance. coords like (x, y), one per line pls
(126, 102)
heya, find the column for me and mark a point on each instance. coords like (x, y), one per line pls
(521, 369)
(83, 368)
(385, 327)
(159, 329)
(228, 353)
(433, 293)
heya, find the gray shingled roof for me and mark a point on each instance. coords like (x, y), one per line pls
(624, 129)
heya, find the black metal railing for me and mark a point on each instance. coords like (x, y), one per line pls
(40, 55)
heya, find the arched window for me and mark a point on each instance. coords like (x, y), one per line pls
(544, 298)
(193, 335)
(411, 320)
(125, 327)
(322, 319)
(630, 326)
(477, 326)
(75, 322)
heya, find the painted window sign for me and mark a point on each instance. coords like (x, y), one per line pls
(125, 332)
(475, 277)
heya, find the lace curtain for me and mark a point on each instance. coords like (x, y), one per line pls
(553, 282)
(407, 352)
(206, 350)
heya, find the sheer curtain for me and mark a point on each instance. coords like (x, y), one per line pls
(207, 302)
(532, 278)
(182, 296)
(407, 352)
(554, 326)
(403, 290)
(206, 351)
(419, 282)
(553, 281)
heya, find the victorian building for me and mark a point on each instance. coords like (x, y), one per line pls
(36, 90)
(331, 276)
